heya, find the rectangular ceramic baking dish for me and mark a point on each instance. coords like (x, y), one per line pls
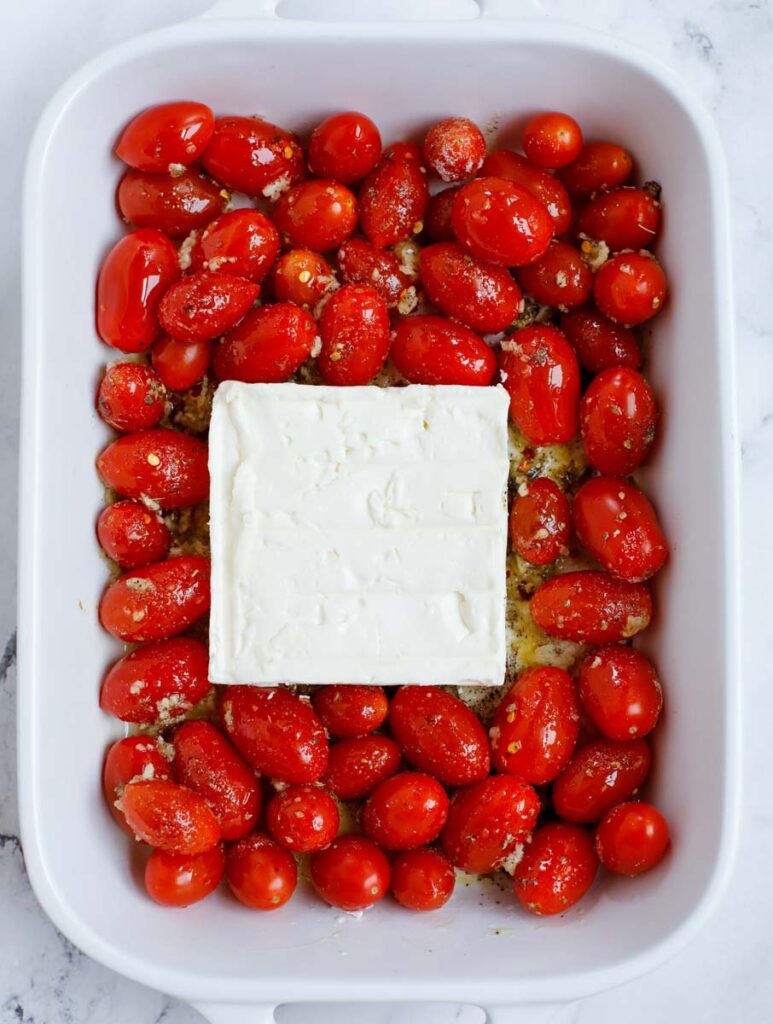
(244, 58)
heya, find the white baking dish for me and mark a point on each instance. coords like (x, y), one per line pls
(405, 74)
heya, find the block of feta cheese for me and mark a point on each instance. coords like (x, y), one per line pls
(358, 534)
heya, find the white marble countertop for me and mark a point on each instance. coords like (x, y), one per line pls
(723, 48)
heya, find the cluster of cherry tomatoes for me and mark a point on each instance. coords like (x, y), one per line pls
(344, 260)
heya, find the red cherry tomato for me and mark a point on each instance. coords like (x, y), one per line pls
(503, 163)
(159, 682)
(632, 838)
(454, 148)
(350, 710)
(345, 146)
(179, 364)
(133, 757)
(560, 277)
(630, 288)
(132, 535)
(499, 221)
(488, 821)
(557, 868)
(437, 220)
(253, 156)
(168, 816)
(166, 466)
(405, 812)
(618, 417)
(206, 762)
(535, 727)
(591, 607)
(598, 342)
(303, 818)
(358, 764)
(351, 873)
(620, 692)
(481, 295)
(540, 373)
(277, 732)
(165, 136)
(180, 879)
(439, 734)
(626, 218)
(618, 526)
(267, 347)
(260, 873)
(354, 327)
(303, 277)
(362, 263)
(131, 396)
(540, 521)
(242, 242)
(394, 197)
(422, 879)
(176, 204)
(552, 139)
(133, 278)
(601, 774)
(600, 165)
(203, 306)
(436, 350)
(318, 214)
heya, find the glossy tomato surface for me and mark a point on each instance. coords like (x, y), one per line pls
(552, 139)
(393, 198)
(545, 187)
(588, 606)
(481, 295)
(243, 243)
(630, 288)
(178, 364)
(359, 763)
(422, 879)
(437, 350)
(362, 263)
(166, 466)
(405, 811)
(618, 421)
(345, 146)
(599, 342)
(352, 873)
(632, 838)
(600, 774)
(626, 218)
(499, 221)
(559, 278)
(557, 868)
(261, 874)
(130, 758)
(158, 682)
(132, 535)
(168, 816)
(303, 277)
(540, 521)
(350, 710)
(202, 306)
(302, 818)
(454, 148)
(599, 165)
(131, 397)
(620, 692)
(175, 204)
(166, 137)
(267, 347)
(354, 327)
(253, 156)
(318, 214)
(181, 879)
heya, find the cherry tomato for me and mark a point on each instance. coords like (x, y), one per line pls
(354, 327)
(362, 263)
(618, 417)
(180, 879)
(535, 727)
(156, 601)
(350, 710)
(205, 305)
(540, 373)
(267, 347)
(620, 692)
(165, 466)
(176, 204)
(260, 873)
(601, 774)
(405, 811)
(168, 816)
(481, 295)
(166, 136)
(439, 734)
(132, 535)
(180, 365)
(242, 242)
(454, 148)
(422, 879)
(557, 868)
(437, 220)
(560, 277)
(344, 146)
(253, 156)
(133, 277)
(540, 521)
(552, 139)
(598, 342)
(630, 288)
(358, 764)
(133, 757)
(351, 873)
(318, 214)
(600, 165)
(159, 682)
(626, 218)
(488, 821)
(303, 277)
(591, 607)
(618, 526)
(499, 221)
(131, 396)
(394, 197)
(632, 838)
(206, 762)
(503, 163)
(276, 731)
(303, 818)
(436, 350)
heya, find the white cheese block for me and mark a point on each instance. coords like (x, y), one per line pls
(358, 535)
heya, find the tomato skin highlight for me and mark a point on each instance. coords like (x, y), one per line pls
(560, 277)
(501, 222)
(630, 288)
(202, 306)
(350, 710)
(318, 214)
(545, 188)
(394, 197)
(632, 838)
(180, 879)
(618, 421)
(422, 879)
(164, 135)
(354, 327)
(626, 218)
(588, 606)
(175, 205)
(600, 774)
(359, 763)
(620, 692)
(127, 759)
(302, 818)
(253, 156)
(540, 521)
(132, 535)
(599, 343)
(405, 811)
(166, 466)
(600, 165)
(436, 350)
(362, 263)
(345, 146)
(260, 874)
(483, 296)
(552, 139)
(131, 397)
(351, 874)
(557, 868)
(454, 148)
(303, 277)
(178, 364)
(242, 243)
(267, 347)
(168, 816)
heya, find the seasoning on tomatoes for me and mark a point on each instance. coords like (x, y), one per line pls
(176, 204)
(181, 879)
(165, 468)
(599, 343)
(202, 306)
(354, 327)
(618, 418)
(557, 868)
(131, 396)
(552, 139)
(302, 818)
(632, 838)
(261, 874)
(167, 137)
(499, 221)
(600, 774)
(168, 816)
(405, 811)
(437, 350)
(560, 277)
(422, 879)
(393, 198)
(481, 295)
(267, 347)
(630, 288)
(352, 873)
(540, 521)
(132, 757)
(454, 148)
(545, 187)
(626, 218)
(350, 710)
(253, 156)
(318, 214)
(599, 166)
(179, 364)
(243, 243)
(132, 535)
(359, 763)
(591, 607)
(303, 277)
(362, 263)
(620, 692)
(345, 146)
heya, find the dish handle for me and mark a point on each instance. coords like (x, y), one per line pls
(231, 1013)
(237, 1013)
(530, 1013)
(374, 10)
